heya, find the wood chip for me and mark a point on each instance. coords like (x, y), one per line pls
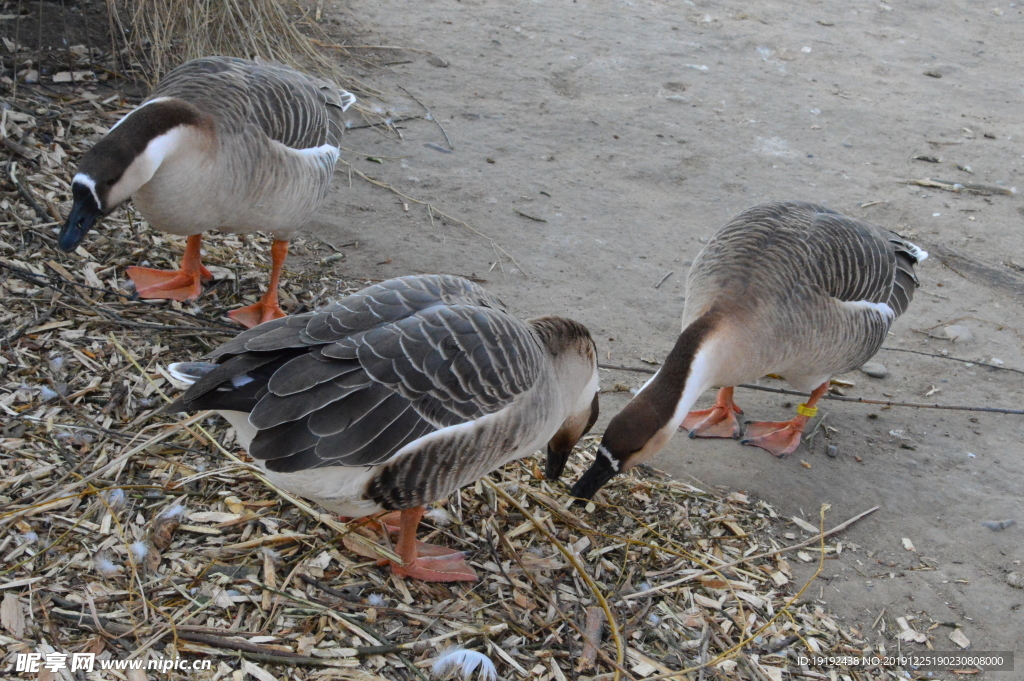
(257, 672)
(957, 636)
(12, 617)
(804, 525)
(592, 630)
(907, 633)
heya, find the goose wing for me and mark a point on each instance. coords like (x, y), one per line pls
(799, 251)
(862, 262)
(288, 106)
(355, 382)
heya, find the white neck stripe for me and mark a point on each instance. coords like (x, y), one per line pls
(144, 104)
(699, 380)
(608, 455)
(86, 181)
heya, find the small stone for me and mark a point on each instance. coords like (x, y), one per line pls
(875, 370)
(1015, 579)
(434, 60)
(957, 637)
(999, 525)
(832, 451)
(958, 333)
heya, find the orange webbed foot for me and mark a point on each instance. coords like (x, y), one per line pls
(257, 313)
(714, 422)
(429, 562)
(180, 285)
(718, 421)
(777, 437)
(436, 564)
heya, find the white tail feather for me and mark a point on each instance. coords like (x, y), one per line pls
(464, 662)
(189, 372)
(347, 99)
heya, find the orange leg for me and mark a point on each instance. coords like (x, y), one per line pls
(267, 308)
(718, 421)
(426, 562)
(783, 437)
(183, 284)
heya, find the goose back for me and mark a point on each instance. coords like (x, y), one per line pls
(288, 106)
(426, 377)
(805, 289)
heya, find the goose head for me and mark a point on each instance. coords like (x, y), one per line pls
(652, 417)
(574, 356)
(573, 429)
(633, 436)
(123, 161)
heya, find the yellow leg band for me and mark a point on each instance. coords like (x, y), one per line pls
(804, 410)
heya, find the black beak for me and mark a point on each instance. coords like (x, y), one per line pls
(555, 464)
(600, 472)
(84, 214)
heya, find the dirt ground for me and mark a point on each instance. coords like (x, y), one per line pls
(630, 131)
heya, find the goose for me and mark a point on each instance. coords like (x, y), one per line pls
(398, 395)
(221, 144)
(793, 289)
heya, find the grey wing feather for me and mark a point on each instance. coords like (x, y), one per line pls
(288, 106)
(442, 353)
(393, 300)
(906, 282)
(358, 380)
(871, 263)
(804, 249)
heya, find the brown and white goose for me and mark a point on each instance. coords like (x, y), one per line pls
(399, 395)
(221, 144)
(790, 288)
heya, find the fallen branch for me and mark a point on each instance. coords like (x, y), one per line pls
(430, 115)
(840, 398)
(957, 187)
(955, 359)
(226, 641)
(528, 217)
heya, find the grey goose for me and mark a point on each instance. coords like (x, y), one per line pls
(221, 144)
(397, 396)
(792, 289)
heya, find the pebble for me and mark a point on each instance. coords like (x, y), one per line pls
(875, 370)
(958, 333)
(1015, 579)
(998, 525)
(832, 451)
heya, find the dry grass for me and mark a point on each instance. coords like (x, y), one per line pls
(161, 34)
(689, 583)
